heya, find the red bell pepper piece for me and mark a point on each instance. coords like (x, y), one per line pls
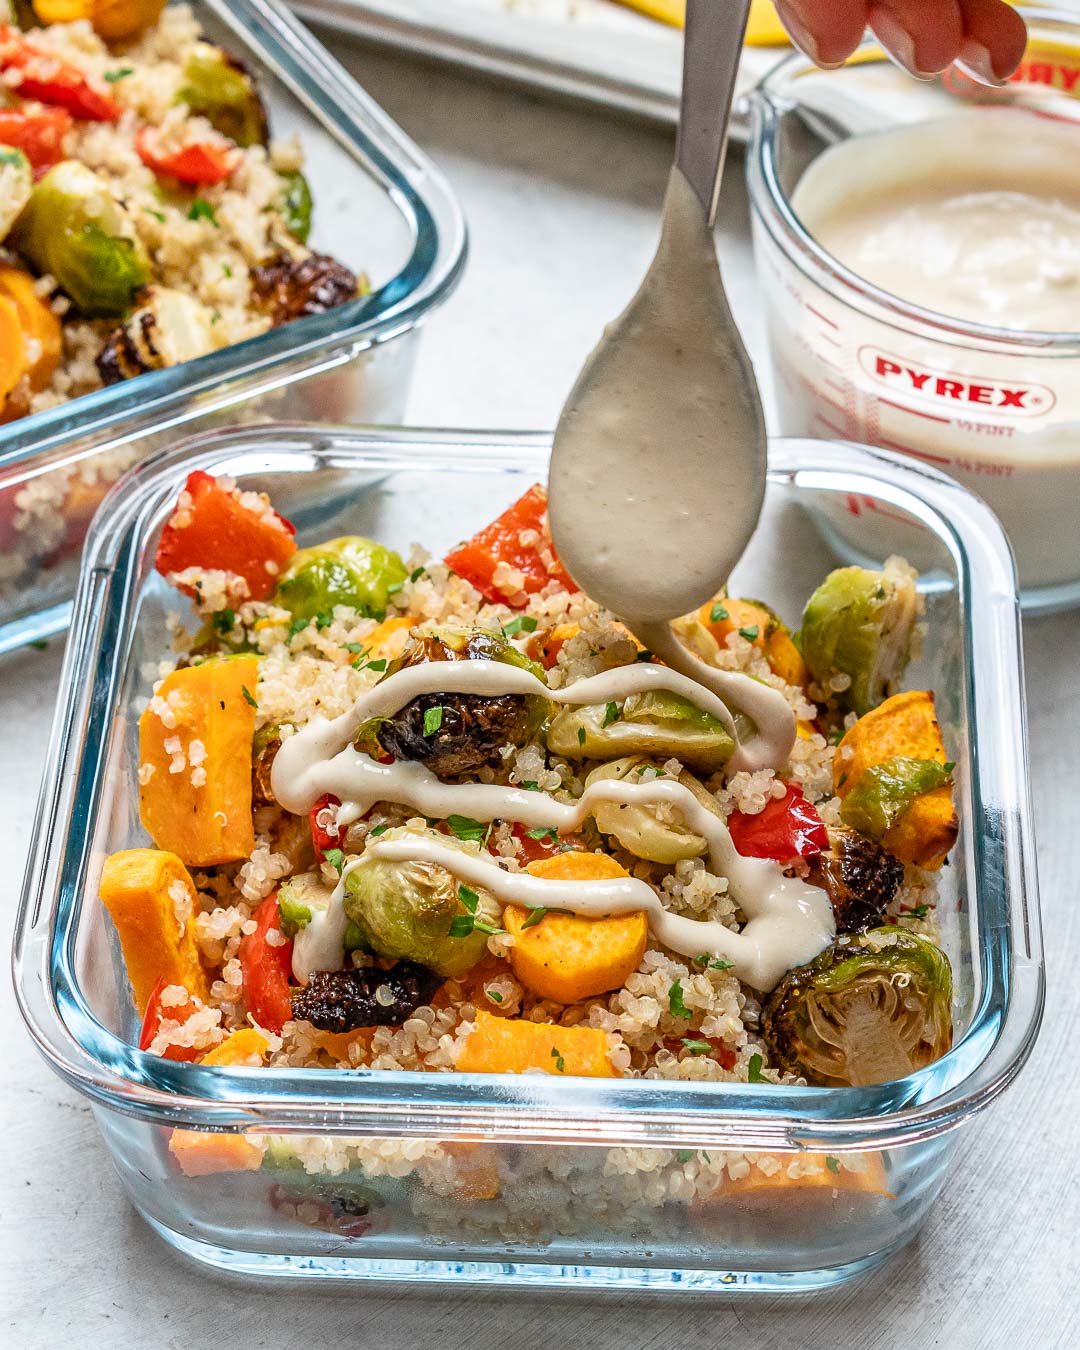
(789, 827)
(153, 1018)
(39, 135)
(212, 528)
(201, 164)
(501, 542)
(321, 837)
(35, 73)
(267, 969)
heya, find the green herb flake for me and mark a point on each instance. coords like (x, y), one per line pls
(535, 915)
(524, 623)
(531, 785)
(227, 270)
(494, 995)
(297, 626)
(676, 1006)
(581, 736)
(379, 829)
(753, 1070)
(323, 620)
(115, 76)
(718, 614)
(949, 765)
(713, 962)
(394, 587)
(560, 1063)
(549, 835)
(750, 634)
(40, 645)
(248, 696)
(379, 665)
(611, 714)
(223, 621)
(684, 1155)
(833, 1164)
(920, 911)
(159, 216)
(697, 1047)
(468, 898)
(432, 720)
(415, 576)
(464, 827)
(461, 926)
(335, 858)
(202, 210)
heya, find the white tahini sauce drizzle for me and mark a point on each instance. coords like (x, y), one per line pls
(789, 922)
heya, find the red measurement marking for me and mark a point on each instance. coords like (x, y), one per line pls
(908, 450)
(833, 342)
(837, 386)
(915, 412)
(857, 505)
(831, 426)
(823, 317)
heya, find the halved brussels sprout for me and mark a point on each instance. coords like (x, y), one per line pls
(298, 899)
(75, 228)
(872, 1008)
(347, 571)
(416, 911)
(656, 723)
(217, 87)
(638, 828)
(459, 733)
(861, 624)
(295, 204)
(16, 185)
(886, 790)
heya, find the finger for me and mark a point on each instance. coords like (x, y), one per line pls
(924, 36)
(828, 31)
(994, 40)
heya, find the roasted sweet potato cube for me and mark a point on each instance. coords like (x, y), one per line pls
(504, 1045)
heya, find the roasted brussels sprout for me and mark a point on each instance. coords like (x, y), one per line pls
(217, 87)
(75, 228)
(290, 288)
(656, 723)
(264, 747)
(16, 186)
(860, 624)
(415, 911)
(452, 733)
(639, 829)
(873, 1007)
(884, 792)
(166, 328)
(347, 571)
(295, 204)
(346, 1000)
(860, 878)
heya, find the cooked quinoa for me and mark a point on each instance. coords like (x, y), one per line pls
(672, 1016)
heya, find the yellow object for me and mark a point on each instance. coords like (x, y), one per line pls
(763, 28)
(735, 616)
(905, 725)
(501, 1045)
(785, 659)
(667, 11)
(38, 322)
(13, 359)
(568, 957)
(380, 641)
(238, 1048)
(140, 888)
(114, 20)
(828, 1174)
(200, 724)
(201, 1154)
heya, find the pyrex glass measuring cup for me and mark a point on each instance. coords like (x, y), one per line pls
(999, 410)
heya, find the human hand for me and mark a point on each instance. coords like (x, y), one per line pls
(984, 37)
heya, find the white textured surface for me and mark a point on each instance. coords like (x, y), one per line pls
(563, 207)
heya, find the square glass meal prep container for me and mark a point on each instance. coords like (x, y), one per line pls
(380, 206)
(564, 1181)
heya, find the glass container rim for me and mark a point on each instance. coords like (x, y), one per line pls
(773, 96)
(538, 1108)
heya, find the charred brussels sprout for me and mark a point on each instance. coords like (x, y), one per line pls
(418, 911)
(349, 571)
(455, 734)
(640, 829)
(217, 87)
(860, 878)
(75, 228)
(656, 723)
(885, 791)
(288, 288)
(346, 1000)
(872, 1008)
(295, 205)
(860, 624)
(166, 328)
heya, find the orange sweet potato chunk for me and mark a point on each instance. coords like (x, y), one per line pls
(202, 1154)
(503, 1045)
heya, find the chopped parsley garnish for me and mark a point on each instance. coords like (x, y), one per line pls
(472, 831)
(560, 1063)
(718, 614)
(833, 1164)
(950, 765)
(494, 995)
(323, 620)
(379, 829)
(531, 785)
(524, 623)
(713, 962)
(336, 858)
(753, 1070)
(202, 210)
(750, 634)
(113, 76)
(535, 915)
(159, 216)
(549, 835)
(611, 714)
(417, 574)
(684, 1155)
(581, 735)
(468, 898)
(920, 911)
(432, 720)
(223, 621)
(226, 269)
(676, 1006)
(377, 665)
(697, 1047)
(248, 696)
(297, 626)
(464, 925)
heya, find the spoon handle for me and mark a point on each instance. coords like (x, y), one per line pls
(711, 53)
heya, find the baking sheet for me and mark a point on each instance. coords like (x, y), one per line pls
(590, 49)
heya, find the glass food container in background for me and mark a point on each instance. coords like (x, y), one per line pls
(380, 206)
(997, 409)
(529, 1179)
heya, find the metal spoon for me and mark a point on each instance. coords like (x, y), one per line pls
(658, 466)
